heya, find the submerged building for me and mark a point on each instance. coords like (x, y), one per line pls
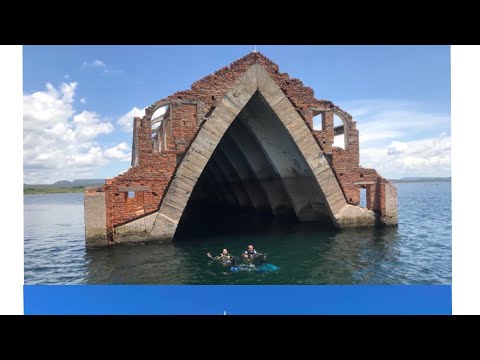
(241, 139)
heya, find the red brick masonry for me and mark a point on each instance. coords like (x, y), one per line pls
(156, 161)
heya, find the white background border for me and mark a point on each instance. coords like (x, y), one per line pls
(465, 179)
(465, 162)
(11, 201)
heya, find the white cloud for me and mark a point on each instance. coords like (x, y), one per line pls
(59, 144)
(425, 157)
(83, 101)
(120, 152)
(339, 141)
(380, 120)
(397, 147)
(400, 138)
(94, 64)
(159, 112)
(90, 159)
(100, 65)
(126, 120)
(88, 126)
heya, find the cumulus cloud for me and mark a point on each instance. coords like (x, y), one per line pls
(425, 157)
(380, 120)
(83, 101)
(120, 152)
(401, 138)
(126, 120)
(339, 141)
(88, 126)
(89, 159)
(397, 147)
(58, 143)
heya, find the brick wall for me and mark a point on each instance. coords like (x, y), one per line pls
(184, 125)
(186, 112)
(154, 170)
(346, 172)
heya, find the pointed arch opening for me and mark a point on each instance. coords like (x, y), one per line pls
(257, 103)
(256, 174)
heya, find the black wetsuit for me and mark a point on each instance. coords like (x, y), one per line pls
(226, 260)
(251, 255)
(255, 257)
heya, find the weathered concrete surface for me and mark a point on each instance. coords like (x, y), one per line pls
(163, 228)
(131, 232)
(391, 205)
(290, 148)
(280, 149)
(247, 132)
(95, 219)
(354, 216)
(261, 168)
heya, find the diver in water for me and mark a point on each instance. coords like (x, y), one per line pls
(250, 255)
(225, 258)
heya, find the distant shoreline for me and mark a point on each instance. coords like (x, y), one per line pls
(32, 191)
(79, 189)
(419, 180)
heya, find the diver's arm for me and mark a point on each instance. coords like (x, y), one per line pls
(213, 258)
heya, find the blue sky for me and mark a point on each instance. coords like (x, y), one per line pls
(79, 101)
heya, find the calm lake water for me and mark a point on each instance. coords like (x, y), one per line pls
(418, 251)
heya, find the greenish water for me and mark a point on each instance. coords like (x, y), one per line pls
(418, 251)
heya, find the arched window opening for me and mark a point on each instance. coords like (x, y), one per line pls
(157, 120)
(339, 131)
(159, 113)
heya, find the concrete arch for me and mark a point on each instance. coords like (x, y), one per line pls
(262, 168)
(209, 136)
(234, 180)
(285, 158)
(221, 193)
(246, 175)
(228, 192)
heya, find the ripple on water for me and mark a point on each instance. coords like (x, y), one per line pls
(418, 251)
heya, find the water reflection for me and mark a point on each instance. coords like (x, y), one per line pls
(305, 254)
(357, 256)
(137, 264)
(418, 251)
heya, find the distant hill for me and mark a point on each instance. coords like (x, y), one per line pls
(422, 179)
(65, 184)
(88, 182)
(62, 183)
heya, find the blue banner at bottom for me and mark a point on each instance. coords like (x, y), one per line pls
(237, 300)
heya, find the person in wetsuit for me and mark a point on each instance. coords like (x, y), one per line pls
(252, 256)
(225, 258)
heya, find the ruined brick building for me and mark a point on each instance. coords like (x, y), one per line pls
(242, 138)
